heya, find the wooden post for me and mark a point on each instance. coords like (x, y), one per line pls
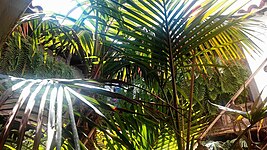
(10, 11)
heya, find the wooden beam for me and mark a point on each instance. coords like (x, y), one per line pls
(10, 11)
(232, 100)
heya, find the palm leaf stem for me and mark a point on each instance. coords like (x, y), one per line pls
(73, 124)
(190, 103)
(173, 76)
(38, 133)
(240, 136)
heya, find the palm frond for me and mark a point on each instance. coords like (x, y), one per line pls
(50, 95)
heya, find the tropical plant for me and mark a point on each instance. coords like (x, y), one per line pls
(215, 87)
(255, 114)
(215, 145)
(168, 42)
(46, 108)
(19, 59)
(147, 49)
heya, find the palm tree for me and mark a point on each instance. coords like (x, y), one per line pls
(167, 39)
(149, 48)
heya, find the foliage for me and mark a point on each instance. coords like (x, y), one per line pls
(146, 48)
(54, 99)
(164, 43)
(215, 145)
(255, 114)
(19, 59)
(215, 86)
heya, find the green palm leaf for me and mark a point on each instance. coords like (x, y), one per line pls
(158, 42)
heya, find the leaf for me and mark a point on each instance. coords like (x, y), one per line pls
(85, 101)
(27, 112)
(245, 114)
(51, 125)
(22, 98)
(59, 117)
(9, 91)
(40, 118)
(72, 119)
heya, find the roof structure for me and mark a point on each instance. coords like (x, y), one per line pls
(256, 5)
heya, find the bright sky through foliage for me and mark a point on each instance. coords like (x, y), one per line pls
(64, 6)
(58, 6)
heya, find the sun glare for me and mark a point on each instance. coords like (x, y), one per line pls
(59, 6)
